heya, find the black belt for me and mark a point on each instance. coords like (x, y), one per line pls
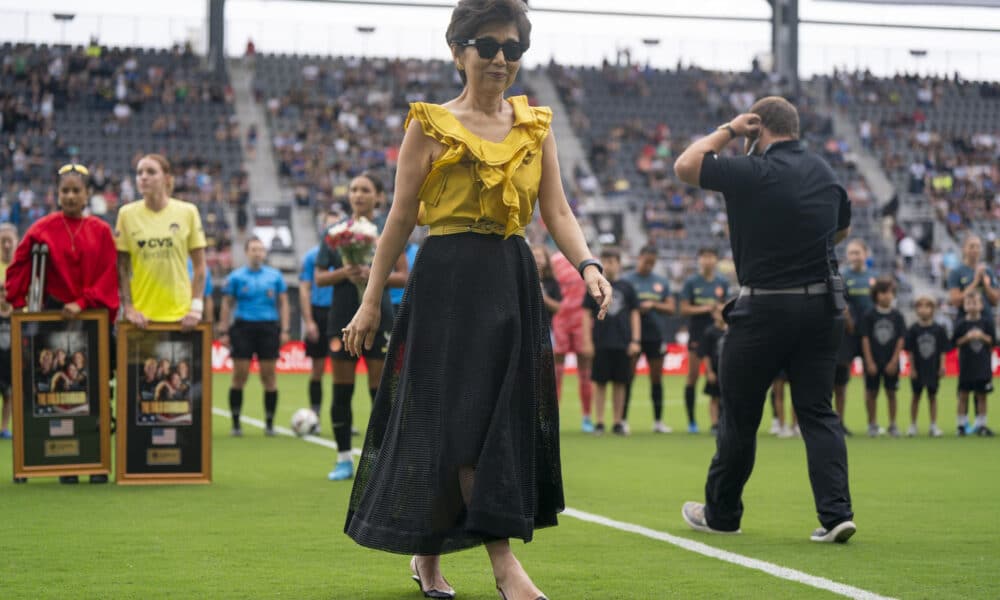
(804, 290)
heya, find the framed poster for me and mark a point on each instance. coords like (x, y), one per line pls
(62, 409)
(164, 404)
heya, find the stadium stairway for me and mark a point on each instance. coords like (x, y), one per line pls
(263, 172)
(571, 153)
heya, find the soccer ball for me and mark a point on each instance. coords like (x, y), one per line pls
(304, 421)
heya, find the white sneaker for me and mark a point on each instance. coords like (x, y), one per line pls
(912, 431)
(661, 427)
(775, 427)
(785, 433)
(625, 428)
(839, 534)
(935, 431)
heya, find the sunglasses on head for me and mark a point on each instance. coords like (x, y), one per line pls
(487, 48)
(74, 167)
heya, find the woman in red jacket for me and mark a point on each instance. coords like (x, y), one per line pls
(81, 271)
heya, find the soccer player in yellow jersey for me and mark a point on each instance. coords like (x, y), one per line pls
(155, 236)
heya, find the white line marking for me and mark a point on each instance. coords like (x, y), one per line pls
(730, 557)
(681, 542)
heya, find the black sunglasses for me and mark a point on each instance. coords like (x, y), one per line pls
(487, 48)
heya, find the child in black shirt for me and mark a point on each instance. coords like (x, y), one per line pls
(927, 342)
(882, 332)
(614, 341)
(974, 336)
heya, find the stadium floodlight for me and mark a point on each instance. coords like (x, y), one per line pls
(63, 19)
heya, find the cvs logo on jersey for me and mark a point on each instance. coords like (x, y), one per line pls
(156, 243)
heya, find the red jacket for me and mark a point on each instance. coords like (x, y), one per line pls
(82, 266)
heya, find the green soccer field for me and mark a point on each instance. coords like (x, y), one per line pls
(270, 526)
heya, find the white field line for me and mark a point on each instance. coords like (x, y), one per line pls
(681, 542)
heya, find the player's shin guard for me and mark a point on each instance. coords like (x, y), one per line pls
(657, 397)
(340, 415)
(236, 405)
(315, 396)
(689, 402)
(270, 406)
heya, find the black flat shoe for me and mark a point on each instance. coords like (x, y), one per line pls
(503, 596)
(443, 595)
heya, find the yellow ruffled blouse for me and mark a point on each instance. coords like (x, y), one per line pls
(478, 185)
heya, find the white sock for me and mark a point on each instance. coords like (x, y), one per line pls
(980, 420)
(344, 456)
(963, 420)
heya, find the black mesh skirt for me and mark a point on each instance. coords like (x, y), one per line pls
(468, 389)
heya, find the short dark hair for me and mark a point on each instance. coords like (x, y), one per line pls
(611, 252)
(471, 15)
(646, 250)
(778, 115)
(252, 239)
(882, 285)
(708, 250)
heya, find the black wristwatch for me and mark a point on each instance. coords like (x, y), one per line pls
(587, 262)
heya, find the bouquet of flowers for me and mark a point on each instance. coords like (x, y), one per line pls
(355, 240)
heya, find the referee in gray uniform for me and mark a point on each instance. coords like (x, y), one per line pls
(786, 212)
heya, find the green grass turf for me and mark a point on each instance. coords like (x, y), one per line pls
(270, 524)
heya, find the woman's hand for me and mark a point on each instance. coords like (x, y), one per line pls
(190, 320)
(135, 317)
(360, 333)
(599, 289)
(71, 310)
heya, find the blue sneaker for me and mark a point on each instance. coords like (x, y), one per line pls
(692, 427)
(342, 470)
(5, 434)
(588, 425)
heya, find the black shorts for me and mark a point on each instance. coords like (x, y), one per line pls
(983, 386)
(653, 350)
(712, 389)
(378, 350)
(891, 382)
(612, 366)
(319, 348)
(262, 338)
(918, 386)
(850, 347)
(841, 375)
(5, 370)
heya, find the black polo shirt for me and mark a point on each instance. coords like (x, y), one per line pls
(784, 208)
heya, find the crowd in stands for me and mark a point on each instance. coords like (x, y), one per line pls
(104, 107)
(333, 118)
(938, 138)
(636, 119)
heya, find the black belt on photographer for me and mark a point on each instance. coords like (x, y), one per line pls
(812, 289)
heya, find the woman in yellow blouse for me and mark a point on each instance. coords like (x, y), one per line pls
(463, 443)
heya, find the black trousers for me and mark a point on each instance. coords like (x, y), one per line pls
(800, 334)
